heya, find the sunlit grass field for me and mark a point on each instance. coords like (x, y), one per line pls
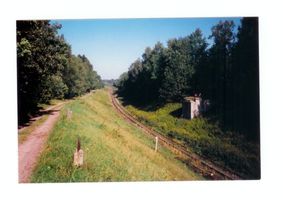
(113, 149)
(227, 149)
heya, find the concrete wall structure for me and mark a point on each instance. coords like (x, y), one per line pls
(192, 107)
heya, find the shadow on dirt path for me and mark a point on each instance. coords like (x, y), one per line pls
(30, 150)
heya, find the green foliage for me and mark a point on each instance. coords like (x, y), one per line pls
(24, 48)
(245, 79)
(175, 73)
(46, 68)
(164, 74)
(226, 73)
(219, 68)
(52, 87)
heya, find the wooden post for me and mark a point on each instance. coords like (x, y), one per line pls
(78, 155)
(156, 143)
(69, 114)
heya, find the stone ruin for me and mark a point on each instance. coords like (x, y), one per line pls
(194, 106)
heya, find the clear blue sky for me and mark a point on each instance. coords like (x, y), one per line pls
(113, 44)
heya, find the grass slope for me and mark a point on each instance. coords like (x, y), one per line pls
(113, 149)
(199, 135)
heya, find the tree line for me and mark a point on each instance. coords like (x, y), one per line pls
(226, 72)
(47, 69)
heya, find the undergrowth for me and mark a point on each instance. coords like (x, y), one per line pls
(226, 148)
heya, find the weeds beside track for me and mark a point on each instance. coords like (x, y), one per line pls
(199, 164)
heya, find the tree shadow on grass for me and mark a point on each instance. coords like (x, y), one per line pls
(29, 119)
(177, 113)
(148, 107)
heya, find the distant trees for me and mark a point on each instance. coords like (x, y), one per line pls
(80, 77)
(226, 73)
(46, 67)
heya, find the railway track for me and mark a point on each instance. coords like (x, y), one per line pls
(206, 168)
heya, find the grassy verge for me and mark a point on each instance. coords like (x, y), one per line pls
(225, 148)
(113, 149)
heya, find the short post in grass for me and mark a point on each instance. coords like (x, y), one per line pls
(156, 143)
(69, 114)
(78, 155)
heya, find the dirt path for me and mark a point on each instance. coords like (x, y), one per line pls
(30, 150)
(34, 119)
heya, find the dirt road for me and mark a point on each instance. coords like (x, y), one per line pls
(30, 150)
(34, 119)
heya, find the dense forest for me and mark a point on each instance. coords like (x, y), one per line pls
(47, 69)
(226, 72)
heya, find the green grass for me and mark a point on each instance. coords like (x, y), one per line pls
(228, 149)
(52, 102)
(114, 150)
